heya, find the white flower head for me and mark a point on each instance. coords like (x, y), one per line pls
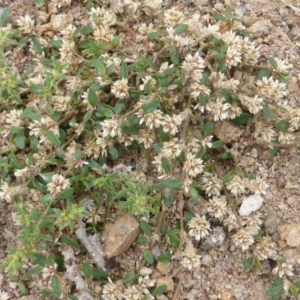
(58, 184)
(120, 88)
(199, 226)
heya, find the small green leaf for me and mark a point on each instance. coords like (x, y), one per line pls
(297, 284)
(242, 119)
(208, 128)
(168, 196)
(273, 62)
(36, 270)
(56, 285)
(134, 278)
(276, 290)
(45, 237)
(294, 290)
(99, 66)
(268, 112)
(28, 112)
(115, 41)
(142, 240)
(154, 35)
(92, 97)
(87, 116)
(146, 227)
(99, 273)
(247, 263)
(159, 290)
(88, 270)
(124, 70)
(174, 240)
(194, 195)
(166, 165)
(180, 28)
(228, 13)
(283, 125)
(37, 46)
(172, 183)
(150, 107)
(86, 30)
(69, 241)
(165, 257)
(36, 89)
(20, 140)
(263, 73)
(148, 256)
(53, 139)
(219, 17)
(218, 144)
(4, 16)
(113, 152)
(227, 178)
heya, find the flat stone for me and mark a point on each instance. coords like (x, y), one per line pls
(250, 204)
(164, 268)
(240, 293)
(167, 281)
(271, 223)
(290, 233)
(226, 131)
(260, 28)
(207, 260)
(121, 235)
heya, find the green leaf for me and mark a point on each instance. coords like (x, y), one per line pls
(297, 284)
(37, 46)
(20, 140)
(36, 89)
(115, 41)
(28, 112)
(134, 278)
(168, 196)
(99, 273)
(165, 257)
(154, 35)
(263, 73)
(276, 290)
(268, 112)
(247, 263)
(124, 70)
(4, 16)
(242, 119)
(227, 178)
(53, 139)
(69, 241)
(294, 290)
(88, 270)
(273, 62)
(164, 136)
(283, 125)
(113, 152)
(87, 116)
(99, 66)
(146, 227)
(180, 28)
(45, 237)
(194, 195)
(208, 128)
(92, 97)
(172, 183)
(228, 13)
(86, 30)
(166, 165)
(94, 48)
(36, 270)
(56, 285)
(148, 256)
(159, 290)
(66, 194)
(174, 240)
(142, 240)
(219, 17)
(218, 144)
(150, 107)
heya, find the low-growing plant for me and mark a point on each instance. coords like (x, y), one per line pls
(151, 93)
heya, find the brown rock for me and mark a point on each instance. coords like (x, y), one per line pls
(163, 268)
(167, 281)
(228, 296)
(260, 28)
(290, 233)
(121, 235)
(227, 132)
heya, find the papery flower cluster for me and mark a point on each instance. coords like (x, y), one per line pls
(199, 227)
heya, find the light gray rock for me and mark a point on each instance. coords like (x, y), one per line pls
(250, 205)
(271, 223)
(207, 260)
(291, 234)
(215, 239)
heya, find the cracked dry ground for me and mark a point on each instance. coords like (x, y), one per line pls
(275, 26)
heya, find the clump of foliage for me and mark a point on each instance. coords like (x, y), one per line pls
(145, 83)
